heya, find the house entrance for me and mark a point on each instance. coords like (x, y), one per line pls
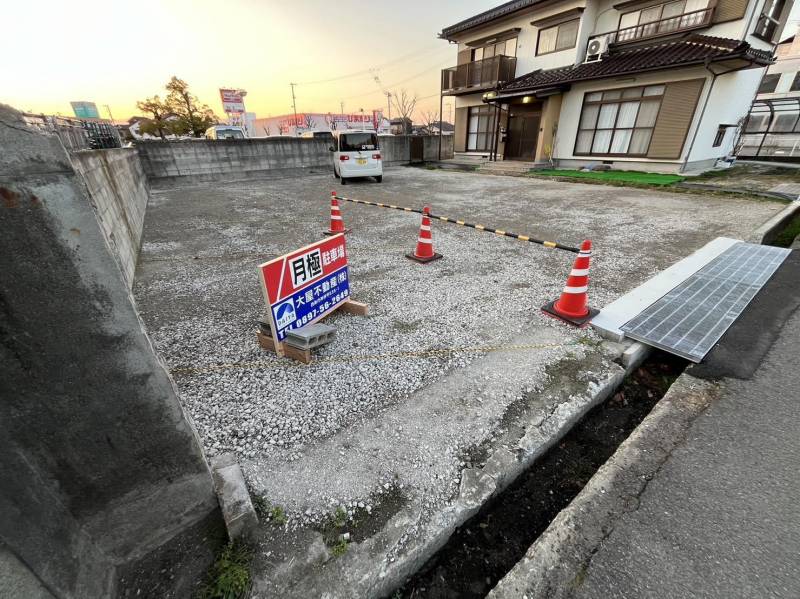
(523, 132)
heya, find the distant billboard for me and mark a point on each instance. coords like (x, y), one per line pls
(303, 122)
(85, 110)
(232, 100)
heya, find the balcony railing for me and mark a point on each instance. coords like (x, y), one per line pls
(479, 74)
(683, 22)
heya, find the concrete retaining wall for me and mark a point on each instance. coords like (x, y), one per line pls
(101, 471)
(119, 192)
(202, 160)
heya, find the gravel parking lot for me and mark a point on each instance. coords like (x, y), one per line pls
(453, 353)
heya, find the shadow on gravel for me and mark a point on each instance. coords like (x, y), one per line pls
(480, 553)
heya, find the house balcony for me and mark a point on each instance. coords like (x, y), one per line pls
(688, 21)
(472, 77)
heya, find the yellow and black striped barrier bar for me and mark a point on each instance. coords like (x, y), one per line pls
(500, 232)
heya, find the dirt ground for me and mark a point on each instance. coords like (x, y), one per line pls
(453, 360)
(756, 177)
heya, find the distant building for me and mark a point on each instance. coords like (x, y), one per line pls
(773, 128)
(134, 128)
(401, 126)
(434, 128)
(294, 126)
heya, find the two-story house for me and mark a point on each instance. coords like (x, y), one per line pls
(639, 84)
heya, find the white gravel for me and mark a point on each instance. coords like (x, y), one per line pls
(361, 417)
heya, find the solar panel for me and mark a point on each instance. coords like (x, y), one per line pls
(691, 318)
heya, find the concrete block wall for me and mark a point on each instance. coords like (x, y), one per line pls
(119, 192)
(101, 470)
(205, 160)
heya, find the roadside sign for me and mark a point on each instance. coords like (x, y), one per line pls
(232, 100)
(305, 285)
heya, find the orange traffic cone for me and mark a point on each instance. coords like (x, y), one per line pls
(424, 252)
(573, 305)
(337, 224)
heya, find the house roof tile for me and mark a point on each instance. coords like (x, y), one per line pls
(691, 50)
(487, 16)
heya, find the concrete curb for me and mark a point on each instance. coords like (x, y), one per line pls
(554, 565)
(767, 232)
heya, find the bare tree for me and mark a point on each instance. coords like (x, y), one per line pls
(430, 122)
(405, 104)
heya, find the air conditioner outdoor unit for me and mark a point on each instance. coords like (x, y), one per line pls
(596, 48)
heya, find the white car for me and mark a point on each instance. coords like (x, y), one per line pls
(225, 132)
(356, 154)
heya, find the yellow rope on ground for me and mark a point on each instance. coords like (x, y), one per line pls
(366, 358)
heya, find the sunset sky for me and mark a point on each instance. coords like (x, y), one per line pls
(115, 52)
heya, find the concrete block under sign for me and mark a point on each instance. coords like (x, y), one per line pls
(234, 499)
(309, 336)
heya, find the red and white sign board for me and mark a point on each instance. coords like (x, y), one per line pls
(305, 285)
(232, 100)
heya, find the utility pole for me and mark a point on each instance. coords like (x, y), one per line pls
(111, 116)
(341, 107)
(389, 100)
(294, 107)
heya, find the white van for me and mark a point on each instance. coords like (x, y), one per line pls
(225, 132)
(356, 154)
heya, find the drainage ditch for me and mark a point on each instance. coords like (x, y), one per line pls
(485, 549)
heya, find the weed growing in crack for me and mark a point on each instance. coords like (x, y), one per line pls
(229, 575)
(339, 548)
(277, 515)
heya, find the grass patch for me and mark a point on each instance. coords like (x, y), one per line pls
(333, 532)
(787, 236)
(615, 176)
(229, 575)
(339, 548)
(277, 516)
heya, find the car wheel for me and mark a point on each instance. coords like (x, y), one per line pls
(379, 178)
(343, 180)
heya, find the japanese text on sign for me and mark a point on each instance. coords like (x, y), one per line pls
(305, 285)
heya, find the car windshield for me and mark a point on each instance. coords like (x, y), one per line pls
(230, 134)
(354, 142)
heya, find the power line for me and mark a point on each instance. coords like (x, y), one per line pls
(371, 69)
(396, 83)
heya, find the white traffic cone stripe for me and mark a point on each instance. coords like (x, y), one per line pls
(579, 272)
(421, 240)
(334, 217)
(583, 289)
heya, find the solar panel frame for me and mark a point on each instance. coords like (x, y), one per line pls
(690, 319)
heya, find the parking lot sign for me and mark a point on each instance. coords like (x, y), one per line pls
(305, 285)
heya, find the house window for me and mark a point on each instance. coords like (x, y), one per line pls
(479, 129)
(720, 136)
(504, 48)
(768, 84)
(558, 37)
(795, 82)
(618, 122)
(769, 21)
(662, 18)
